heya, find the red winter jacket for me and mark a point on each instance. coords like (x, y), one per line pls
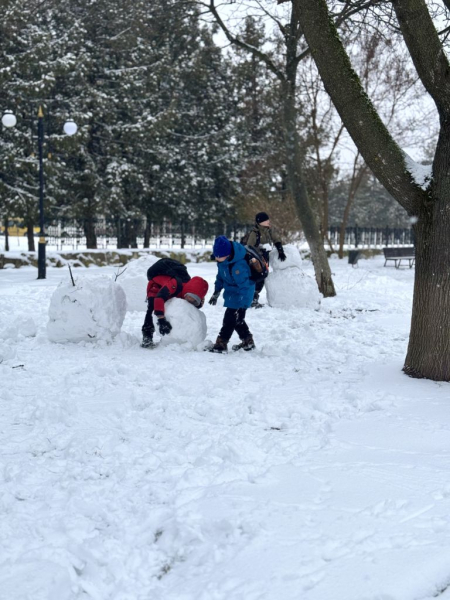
(164, 287)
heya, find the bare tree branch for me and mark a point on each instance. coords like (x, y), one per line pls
(426, 50)
(379, 149)
(235, 40)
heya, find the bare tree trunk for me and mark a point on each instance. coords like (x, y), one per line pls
(6, 234)
(429, 343)
(89, 232)
(344, 226)
(132, 233)
(298, 190)
(147, 233)
(183, 235)
(30, 236)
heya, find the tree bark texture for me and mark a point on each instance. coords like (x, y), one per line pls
(147, 232)
(377, 146)
(89, 232)
(294, 157)
(299, 192)
(428, 353)
(30, 236)
(6, 234)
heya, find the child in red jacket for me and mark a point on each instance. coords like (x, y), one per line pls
(161, 288)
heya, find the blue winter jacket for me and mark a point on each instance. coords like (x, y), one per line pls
(234, 278)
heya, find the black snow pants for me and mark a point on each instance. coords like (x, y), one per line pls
(234, 320)
(148, 329)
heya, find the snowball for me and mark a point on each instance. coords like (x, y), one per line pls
(188, 323)
(293, 258)
(7, 352)
(92, 310)
(287, 286)
(26, 327)
(134, 282)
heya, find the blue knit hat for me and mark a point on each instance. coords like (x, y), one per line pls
(222, 247)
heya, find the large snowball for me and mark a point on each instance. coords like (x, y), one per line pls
(188, 323)
(134, 282)
(92, 310)
(287, 286)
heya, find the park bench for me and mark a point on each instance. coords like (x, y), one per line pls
(397, 255)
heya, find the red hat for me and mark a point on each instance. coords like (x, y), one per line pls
(197, 288)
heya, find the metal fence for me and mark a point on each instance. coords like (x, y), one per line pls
(368, 237)
(70, 235)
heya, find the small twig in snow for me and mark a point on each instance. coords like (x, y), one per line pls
(71, 277)
(119, 274)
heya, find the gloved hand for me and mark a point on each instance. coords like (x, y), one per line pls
(214, 298)
(164, 326)
(281, 254)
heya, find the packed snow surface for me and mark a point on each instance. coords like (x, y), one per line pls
(91, 310)
(309, 469)
(287, 285)
(188, 323)
(133, 280)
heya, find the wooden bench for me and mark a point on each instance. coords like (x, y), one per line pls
(397, 255)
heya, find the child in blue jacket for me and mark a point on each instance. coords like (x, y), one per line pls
(233, 277)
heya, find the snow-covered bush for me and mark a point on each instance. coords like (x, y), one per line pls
(134, 282)
(287, 286)
(92, 310)
(188, 323)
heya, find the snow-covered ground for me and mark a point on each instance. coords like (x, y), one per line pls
(310, 469)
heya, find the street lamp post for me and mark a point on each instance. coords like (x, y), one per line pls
(42, 267)
(70, 128)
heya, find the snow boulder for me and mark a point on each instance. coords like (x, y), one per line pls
(287, 285)
(92, 310)
(188, 323)
(134, 282)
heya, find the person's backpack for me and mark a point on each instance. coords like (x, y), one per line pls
(258, 266)
(244, 238)
(169, 267)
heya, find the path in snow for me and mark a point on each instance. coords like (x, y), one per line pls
(311, 468)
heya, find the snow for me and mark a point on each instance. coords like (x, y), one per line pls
(310, 468)
(92, 310)
(287, 285)
(421, 174)
(188, 323)
(133, 280)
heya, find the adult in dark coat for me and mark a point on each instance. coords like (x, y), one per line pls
(262, 233)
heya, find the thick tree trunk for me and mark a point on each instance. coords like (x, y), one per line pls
(429, 342)
(6, 234)
(30, 236)
(89, 232)
(147, 233)
(183, 235)
(294, 158)
(132, 234)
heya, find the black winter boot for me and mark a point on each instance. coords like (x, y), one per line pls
(147, 341)
(246, 344)
(255, 302)
(220, 347)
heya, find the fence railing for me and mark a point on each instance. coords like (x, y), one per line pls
(360, 237)
(70, 235)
